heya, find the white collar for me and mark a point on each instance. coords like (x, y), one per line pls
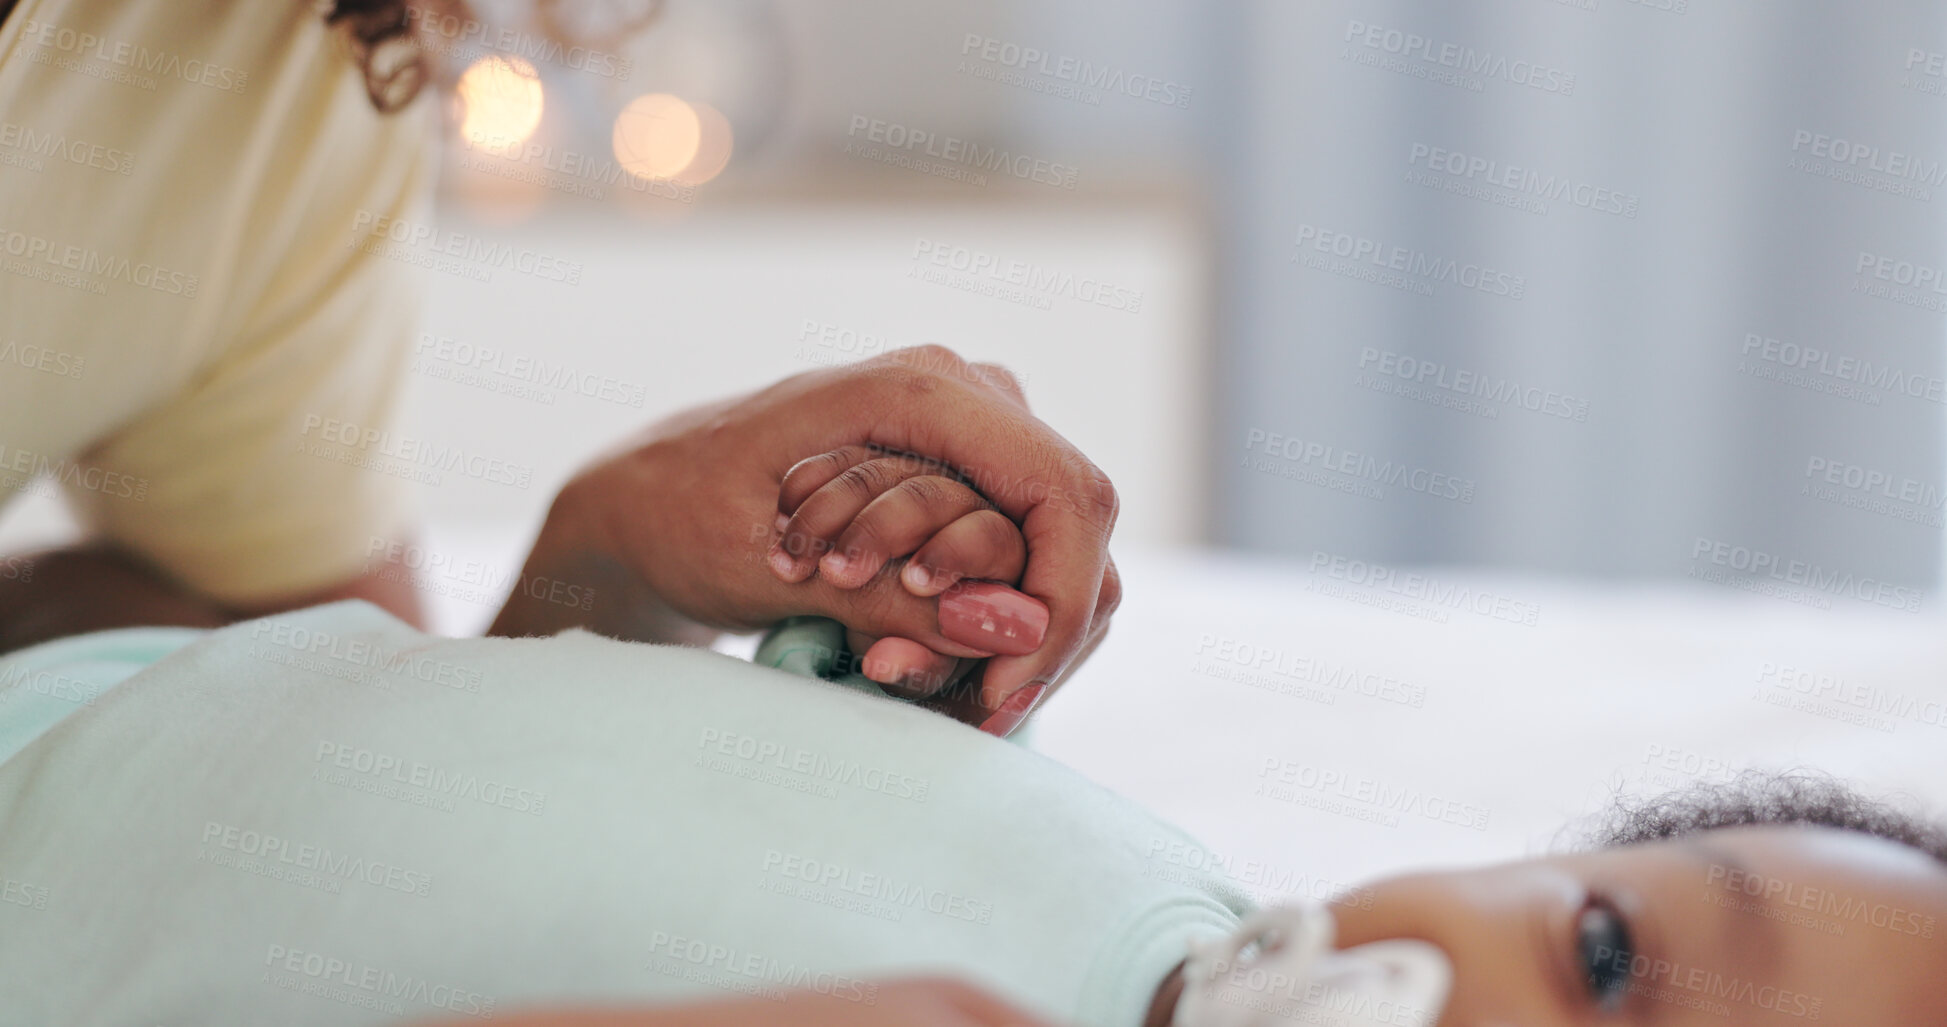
(1280, 968)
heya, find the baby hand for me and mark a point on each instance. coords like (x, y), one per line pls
(856, 512)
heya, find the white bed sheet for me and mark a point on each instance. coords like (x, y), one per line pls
(1523, 728)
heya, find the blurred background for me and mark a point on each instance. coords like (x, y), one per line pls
(1490, 387)
(1550, 286)
(1583, 287)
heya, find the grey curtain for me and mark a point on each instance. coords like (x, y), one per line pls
(1646, 280)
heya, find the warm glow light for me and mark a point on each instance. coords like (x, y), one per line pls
(502, 97)
(657, 136)
(713, 152)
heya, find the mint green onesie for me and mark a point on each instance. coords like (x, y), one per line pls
(328, 817)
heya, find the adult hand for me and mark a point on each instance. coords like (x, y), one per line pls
(916, 1003)
(683, 516)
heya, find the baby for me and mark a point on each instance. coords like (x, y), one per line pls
(1769, 900)
(331, 818)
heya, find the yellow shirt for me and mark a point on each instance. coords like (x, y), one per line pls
(183, 307)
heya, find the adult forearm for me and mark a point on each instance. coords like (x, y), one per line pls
(99, 585)
(595, 592)
(58, 592)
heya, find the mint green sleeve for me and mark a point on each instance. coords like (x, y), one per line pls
(815, 648)
(43, 685)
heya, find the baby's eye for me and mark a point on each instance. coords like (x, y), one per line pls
(1602, 942)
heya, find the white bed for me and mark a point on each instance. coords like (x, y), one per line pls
(1524, 728)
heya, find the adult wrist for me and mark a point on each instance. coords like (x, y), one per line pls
(575, 577)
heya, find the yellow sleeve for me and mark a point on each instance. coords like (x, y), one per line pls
(240, 502)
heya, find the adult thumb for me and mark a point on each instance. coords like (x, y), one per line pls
(974, 619)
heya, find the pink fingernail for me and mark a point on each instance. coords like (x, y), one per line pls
(993, 617)
(917, 576)
(1013, 711)
(783, 521)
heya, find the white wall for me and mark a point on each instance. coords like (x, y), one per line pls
(686, 310)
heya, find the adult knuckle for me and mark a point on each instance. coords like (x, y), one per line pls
(936, 357)
(923, 369)
(913, 382)
(1110, 598)
(888, 374)
(1001, 376)
(1098, 480)
(1100, 501)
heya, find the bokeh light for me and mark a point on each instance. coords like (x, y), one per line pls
(657, 135)
(502, 99)
(714, 148)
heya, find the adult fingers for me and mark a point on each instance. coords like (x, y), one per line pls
(1065, 505)
(882, 608)
(1002, 719)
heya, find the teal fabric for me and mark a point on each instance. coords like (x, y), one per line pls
(815, 648)
(520, 822)
(43, 685)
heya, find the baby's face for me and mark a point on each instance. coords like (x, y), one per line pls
(1741, 926)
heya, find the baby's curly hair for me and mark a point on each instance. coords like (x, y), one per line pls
(1760, 797)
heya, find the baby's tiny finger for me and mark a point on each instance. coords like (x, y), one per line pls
(895, 523)
(907, 668)
(813, 531)
(983, 545)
